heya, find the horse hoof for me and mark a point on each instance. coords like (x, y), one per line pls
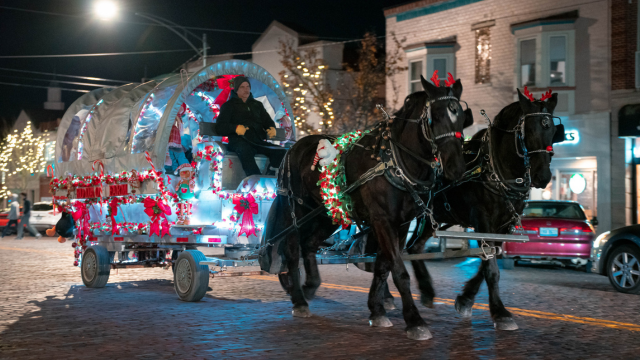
(381, 321)
(419, 333)
(505, 323)
(427, 302)
(301, 311)
(462, 309)
(389, 305)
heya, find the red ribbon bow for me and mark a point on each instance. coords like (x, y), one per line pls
(157, 209)
(246, 206)
(81, 216)
(224, 83)
(113, 207)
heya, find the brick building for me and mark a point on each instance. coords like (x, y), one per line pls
(583, 50)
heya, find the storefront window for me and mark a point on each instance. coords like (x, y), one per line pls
(528, 62)
(416, 71)
(580, 186)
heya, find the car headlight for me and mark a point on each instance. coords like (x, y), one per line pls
(601, 239)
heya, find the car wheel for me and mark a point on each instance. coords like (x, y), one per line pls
(623, 269)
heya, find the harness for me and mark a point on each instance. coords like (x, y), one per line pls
(390, 164)
(510, 189)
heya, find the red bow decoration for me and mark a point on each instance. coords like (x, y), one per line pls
(246, 206)
(81, 216)
(157, 209)
(113, 211)
(225, 83)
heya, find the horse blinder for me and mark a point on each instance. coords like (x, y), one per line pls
(558, 137)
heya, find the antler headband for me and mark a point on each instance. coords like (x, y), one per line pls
(544, 96)
(436, 81)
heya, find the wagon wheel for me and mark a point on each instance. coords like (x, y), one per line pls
(287, 283)
(95, 267)
(191, 279)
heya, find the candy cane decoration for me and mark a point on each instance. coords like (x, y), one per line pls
(316, 159)
(49, 171)
(93, 167)
(153, 170)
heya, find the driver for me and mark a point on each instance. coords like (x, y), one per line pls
(247, 124)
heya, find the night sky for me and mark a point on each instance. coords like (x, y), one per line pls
(25, 33)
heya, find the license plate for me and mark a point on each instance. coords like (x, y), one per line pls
(548, 231)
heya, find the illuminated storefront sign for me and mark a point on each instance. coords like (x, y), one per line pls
(577, 183)
(571, 137)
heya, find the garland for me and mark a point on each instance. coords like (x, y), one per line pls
(333, 178)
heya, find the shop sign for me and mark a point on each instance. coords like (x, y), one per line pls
(571, 137)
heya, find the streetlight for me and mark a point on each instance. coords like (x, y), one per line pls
(107, 10)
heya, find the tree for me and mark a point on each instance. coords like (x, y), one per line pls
(360, 86)
(360, 91)
(304, 78)
(22, 157)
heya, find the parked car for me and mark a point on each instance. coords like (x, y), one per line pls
(559, 232)
(616, 254)
(42, 216)
(4, 220)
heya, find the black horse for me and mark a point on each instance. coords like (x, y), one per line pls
(386, 207)
(505, 161)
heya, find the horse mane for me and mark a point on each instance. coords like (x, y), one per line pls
(413, 103)
(508, 114)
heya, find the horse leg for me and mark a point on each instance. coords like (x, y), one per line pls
(388, 302)
(378, 315)
(300, 305)
(465, 301)
(313, 281)
(427, 293)
(502, 319)
(416, 326)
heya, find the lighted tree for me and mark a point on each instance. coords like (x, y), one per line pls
(21, 157)
(304, 78)
(363, 87)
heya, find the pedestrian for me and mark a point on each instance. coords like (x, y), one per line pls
(24, 221)
(14, 215)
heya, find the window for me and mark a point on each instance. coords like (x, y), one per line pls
(557, 60)
(528, 62)
(483, 56)
(414, 80)
(441, 62)
(50, 151)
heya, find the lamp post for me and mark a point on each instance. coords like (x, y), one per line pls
(174, 28)
(107, 10)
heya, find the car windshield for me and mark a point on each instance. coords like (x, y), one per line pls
(554, 210)
(42, 207)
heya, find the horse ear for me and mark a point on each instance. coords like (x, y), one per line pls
(468, 118)
(552, 102)
(457, 89)
(429, 88)
(525, 103)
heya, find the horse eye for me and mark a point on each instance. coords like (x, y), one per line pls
(453, 108)
(545, 123)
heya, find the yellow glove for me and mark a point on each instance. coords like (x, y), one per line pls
(241, 129)
(271, 132)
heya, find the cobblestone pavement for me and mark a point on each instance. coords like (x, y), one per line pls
(46, 313)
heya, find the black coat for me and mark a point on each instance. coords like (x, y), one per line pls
(251, 114)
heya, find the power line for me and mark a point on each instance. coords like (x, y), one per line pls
(42, 87)
(60, 81)
(91, 55)
(64, 75)
(151, 24)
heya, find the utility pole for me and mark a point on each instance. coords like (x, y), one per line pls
(204, 50)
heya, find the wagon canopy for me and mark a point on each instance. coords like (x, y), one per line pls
(118, 126)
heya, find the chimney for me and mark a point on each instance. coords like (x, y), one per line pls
(54, 97)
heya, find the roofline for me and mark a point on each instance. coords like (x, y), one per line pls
(275, 23)
(420, 8)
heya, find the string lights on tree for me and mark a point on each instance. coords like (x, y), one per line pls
(304, 79)
(22, 156)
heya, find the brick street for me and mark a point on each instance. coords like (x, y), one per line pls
(48, 313)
